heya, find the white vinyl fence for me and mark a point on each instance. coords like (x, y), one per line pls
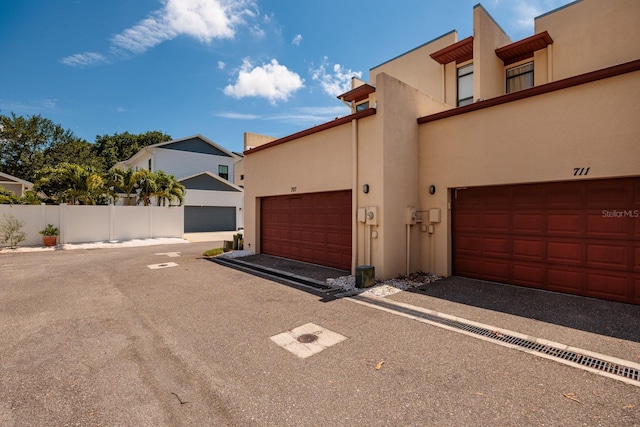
(79, 224)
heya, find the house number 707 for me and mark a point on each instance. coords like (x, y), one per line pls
(581, 171)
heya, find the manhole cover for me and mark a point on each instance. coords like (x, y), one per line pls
(307, 338)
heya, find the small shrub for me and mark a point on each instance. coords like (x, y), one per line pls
(11, 231)
(213, 252)
(50, 230)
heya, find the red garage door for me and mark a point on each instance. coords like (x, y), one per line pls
(315, 228)
(575, 237)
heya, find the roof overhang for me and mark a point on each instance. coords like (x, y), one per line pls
(459, 52)
(358, 94)
(523, 49)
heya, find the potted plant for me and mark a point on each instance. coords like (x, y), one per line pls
(50, 235)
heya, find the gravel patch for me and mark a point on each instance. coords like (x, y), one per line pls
(235, 254)
(387, 287)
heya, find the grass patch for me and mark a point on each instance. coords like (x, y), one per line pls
(213, 252)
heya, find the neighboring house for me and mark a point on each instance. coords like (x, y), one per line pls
(17, 185)
(514, 162)
(212, 202)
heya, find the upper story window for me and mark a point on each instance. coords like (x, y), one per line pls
(465, 85)
(520, 77)
(362, 106)
(223, 171)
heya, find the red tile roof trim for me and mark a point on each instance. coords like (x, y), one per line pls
(337, 122)
(593, 76)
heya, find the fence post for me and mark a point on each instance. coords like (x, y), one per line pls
(112, 214)
(150, 221)
(63, 222)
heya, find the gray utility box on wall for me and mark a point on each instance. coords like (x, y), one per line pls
(365, 276)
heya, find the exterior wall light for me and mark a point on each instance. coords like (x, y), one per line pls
(432, 189)
(365, 188)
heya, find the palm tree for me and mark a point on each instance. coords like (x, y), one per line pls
(146, 187)
(168, 189)
(125, 180)
(70, 183)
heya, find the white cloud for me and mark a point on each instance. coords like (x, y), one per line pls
(84, 59)
(237, 116)
(221, 65)
(297, 40)
(334, 82)
(204, 20)
(313, 115)
(271, 81)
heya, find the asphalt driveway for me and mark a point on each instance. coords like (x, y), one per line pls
(97, 337)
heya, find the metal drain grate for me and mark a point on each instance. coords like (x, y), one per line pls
(570, 356)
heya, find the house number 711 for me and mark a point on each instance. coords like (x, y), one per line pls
(581, 171)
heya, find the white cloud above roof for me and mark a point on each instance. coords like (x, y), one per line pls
(334, 79)
(272, 81)
(204, 20)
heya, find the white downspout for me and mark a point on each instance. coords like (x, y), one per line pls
(354, 195)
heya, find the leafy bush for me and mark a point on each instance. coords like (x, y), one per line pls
(10, 231)
(50, 230)
(213, 252)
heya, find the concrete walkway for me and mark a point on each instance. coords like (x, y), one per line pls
(216, 236)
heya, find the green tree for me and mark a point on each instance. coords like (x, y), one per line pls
(126, 180)
(23, 142)
(146, 187)
(168, 189)
(75, 150)
(71, 183)
(121, 146)
(8, 197)
(11, 231)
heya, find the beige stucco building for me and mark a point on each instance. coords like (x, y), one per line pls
(515, 162)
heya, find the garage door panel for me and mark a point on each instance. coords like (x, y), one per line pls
(565, 195)
(468, 222)
(308, 227)
(530, 198)
(496, 246)
(607, 285)
(496, 270)
(580, 237)
(528, 274)
(470, 267)
(564, 252)
(528, 223)
(495, 222)
(566, 280)
(564, 224)
(598, 224)
(529, 249)
(607, 256)
(468, 244)
(607, 195)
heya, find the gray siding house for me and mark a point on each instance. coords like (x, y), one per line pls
(212, 202)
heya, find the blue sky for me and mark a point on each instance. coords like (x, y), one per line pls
(214, 67)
